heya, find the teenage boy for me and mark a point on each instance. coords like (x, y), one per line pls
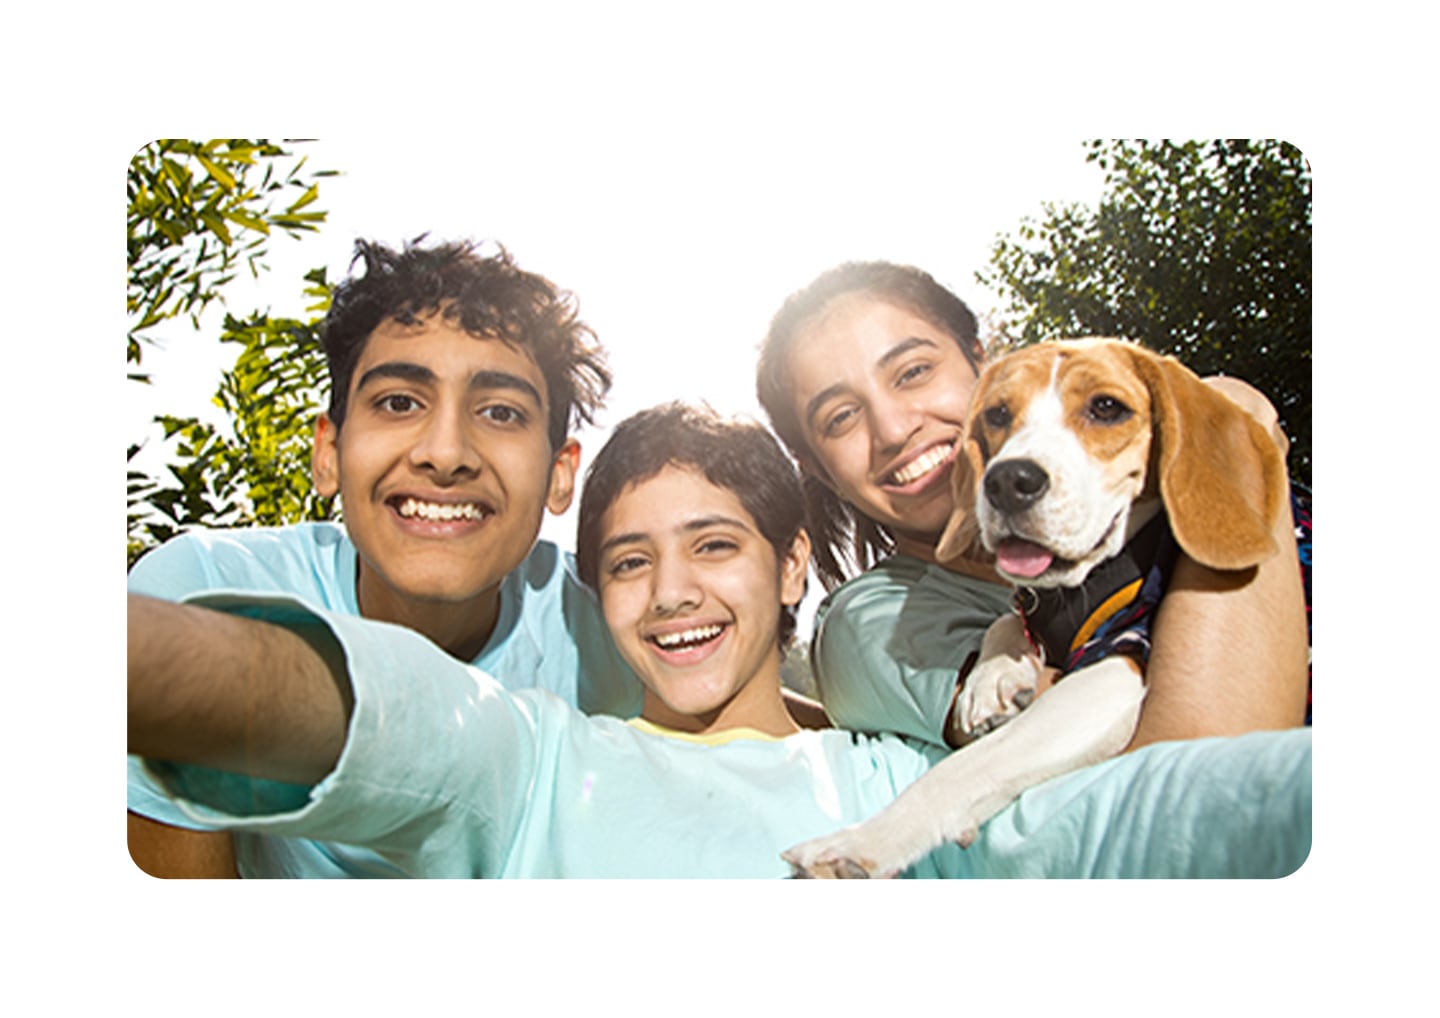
(456, 379)
(690, 527)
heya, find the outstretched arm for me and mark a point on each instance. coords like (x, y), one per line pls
(233, 693)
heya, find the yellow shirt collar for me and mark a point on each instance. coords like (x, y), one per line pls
(704, 738)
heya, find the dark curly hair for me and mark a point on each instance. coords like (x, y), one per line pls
(488, 296)
(739, 456)
(840, 534)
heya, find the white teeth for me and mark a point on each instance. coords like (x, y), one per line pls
(699, 634)
(441, 511)
(918, 468)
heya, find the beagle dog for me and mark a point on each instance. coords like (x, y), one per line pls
(1085, 462)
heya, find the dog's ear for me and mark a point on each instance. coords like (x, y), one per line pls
(961, 538)
(1221, 475)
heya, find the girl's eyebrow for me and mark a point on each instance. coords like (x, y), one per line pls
(812, 409)
(689, 526)
(614, 541)
(900, 349)
(714, 520)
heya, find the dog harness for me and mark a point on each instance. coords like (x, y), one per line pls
(1111, 612)
(1061, 625)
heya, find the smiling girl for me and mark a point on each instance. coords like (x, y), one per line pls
(696, 546)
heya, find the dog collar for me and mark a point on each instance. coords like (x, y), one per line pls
(1109, 612)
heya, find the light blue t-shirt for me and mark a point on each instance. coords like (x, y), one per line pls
(447, 774)
(550, 635)
(889, 645)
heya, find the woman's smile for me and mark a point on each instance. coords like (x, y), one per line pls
(920, 470)
(882, 396)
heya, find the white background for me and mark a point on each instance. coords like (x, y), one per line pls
(637, 113)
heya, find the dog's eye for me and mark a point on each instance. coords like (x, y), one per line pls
(997, 416)
(1107, 410)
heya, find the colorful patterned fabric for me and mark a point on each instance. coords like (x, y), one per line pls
(1300, 500)
(1126, 589)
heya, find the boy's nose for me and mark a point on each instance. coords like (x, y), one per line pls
(445, 447)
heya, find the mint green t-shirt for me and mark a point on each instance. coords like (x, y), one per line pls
(549, 635)
(445, 773)
(889, 645)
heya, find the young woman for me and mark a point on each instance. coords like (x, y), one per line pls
(321, 724)
(867, 375)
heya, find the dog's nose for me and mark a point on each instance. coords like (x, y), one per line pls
(1014, 485)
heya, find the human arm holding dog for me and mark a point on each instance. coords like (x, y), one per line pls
(1198, 684)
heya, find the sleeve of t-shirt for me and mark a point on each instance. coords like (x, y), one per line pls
(1232, 807)
(435, 769)
(607, 683)
(886, 655)
(172, 571)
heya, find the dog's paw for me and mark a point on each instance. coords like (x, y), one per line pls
(995, 691)
(868, 851)
(844, 855)
(839, 869)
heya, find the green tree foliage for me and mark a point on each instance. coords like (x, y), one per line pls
(197, 211)
(1200, 249)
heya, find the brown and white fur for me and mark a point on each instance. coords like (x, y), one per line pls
(1070, 447)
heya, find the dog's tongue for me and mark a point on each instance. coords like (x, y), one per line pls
(1021, 558)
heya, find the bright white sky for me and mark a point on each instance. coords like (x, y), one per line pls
(679, 249)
